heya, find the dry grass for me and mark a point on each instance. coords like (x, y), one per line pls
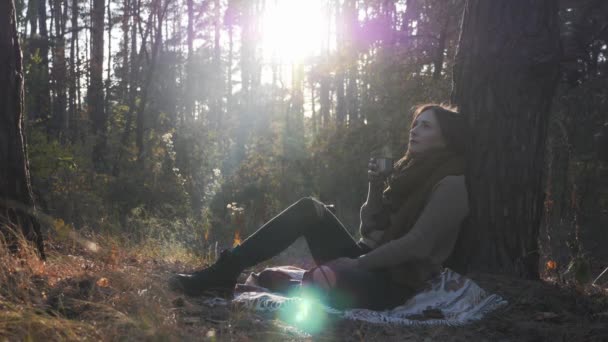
(97, 287)
(88, 290)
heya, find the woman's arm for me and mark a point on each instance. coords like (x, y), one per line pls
(369, 227)
(434, 233)
(374, 193)
(375, 187)
(369, 230)
(373, 202)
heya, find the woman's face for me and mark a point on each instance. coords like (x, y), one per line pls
(425, 133)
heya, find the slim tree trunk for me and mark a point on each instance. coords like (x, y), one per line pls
(140, 116)
(60, 118)
(352, 99)
(124, 77)
(41, 104)
(72, 101)
(297, 103)
(505, 75)
(340, 99)
(229, 22)
(246, 51)
(44, 33)
(314, 115)
(109, 65)
(351, 31)
(189, 106)
(134, 79)
(78, 129)
(440, 52)
(95, 92)
(324, 96)
(324, 99)
(32, 16)
(339, 80)
(16, 198)
(217, 63)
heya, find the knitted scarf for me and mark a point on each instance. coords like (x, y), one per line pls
(410, 185)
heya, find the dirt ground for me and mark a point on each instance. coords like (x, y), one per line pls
(122, 295)
(537, 311)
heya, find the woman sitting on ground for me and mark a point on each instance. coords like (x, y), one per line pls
(409, 226)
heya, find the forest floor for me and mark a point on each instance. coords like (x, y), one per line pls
(99, 291)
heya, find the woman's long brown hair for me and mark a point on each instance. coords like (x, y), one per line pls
(452, 124)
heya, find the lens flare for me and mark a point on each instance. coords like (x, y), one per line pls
(305, 311)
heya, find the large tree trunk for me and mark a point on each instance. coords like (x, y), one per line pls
(16, 199)
(504, 80)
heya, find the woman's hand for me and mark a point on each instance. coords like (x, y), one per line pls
(373, 175)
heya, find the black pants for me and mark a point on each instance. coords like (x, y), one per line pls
(327, 239)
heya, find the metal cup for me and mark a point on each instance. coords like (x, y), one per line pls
(384, 165)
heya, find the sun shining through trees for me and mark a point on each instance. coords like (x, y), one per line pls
(293, 30)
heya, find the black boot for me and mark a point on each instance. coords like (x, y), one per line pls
(219, 278)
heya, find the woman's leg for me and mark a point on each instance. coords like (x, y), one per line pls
(326, 236)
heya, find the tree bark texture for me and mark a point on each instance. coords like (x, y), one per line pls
(506, 71)
(16, 198)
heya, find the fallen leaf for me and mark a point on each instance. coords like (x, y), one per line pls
(103, 282)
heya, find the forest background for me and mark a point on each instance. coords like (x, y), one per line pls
(187, 124)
